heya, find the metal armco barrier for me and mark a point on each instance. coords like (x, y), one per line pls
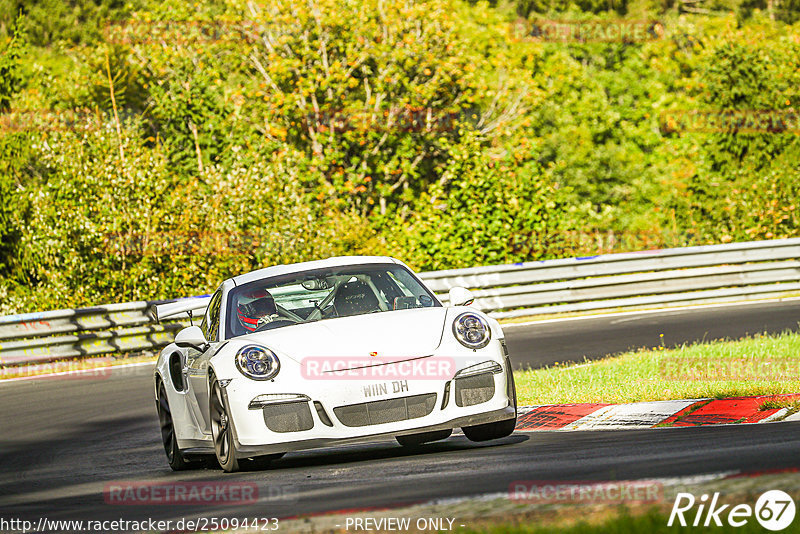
(59, 334)
(714, 273)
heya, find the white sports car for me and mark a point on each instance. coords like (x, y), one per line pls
(336, 351)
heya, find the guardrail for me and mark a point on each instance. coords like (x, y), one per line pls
(714, 273)
(76, 333)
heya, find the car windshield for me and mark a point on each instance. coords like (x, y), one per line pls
(320, 294)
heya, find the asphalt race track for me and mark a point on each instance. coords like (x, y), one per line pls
(65, 440)
(543, 344)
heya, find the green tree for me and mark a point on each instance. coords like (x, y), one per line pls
(73, 21)
(10, 75)
(370, 90)
(481, 212)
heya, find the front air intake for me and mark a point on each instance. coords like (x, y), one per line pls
(288, 417)
(386, 411)
(471, 390)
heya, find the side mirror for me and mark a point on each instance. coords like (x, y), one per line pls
(460, 296)
(191, 338)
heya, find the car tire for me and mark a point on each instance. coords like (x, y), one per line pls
(490, 431)
(221, 430)
(177, 461)
(500, 429)
(413, 440)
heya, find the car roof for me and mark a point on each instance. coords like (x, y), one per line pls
(337, 261)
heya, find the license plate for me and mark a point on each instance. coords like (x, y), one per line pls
(380, 389)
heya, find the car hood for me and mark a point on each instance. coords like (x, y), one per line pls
(396, 334)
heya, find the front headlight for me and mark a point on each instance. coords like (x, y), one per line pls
(257, 362)
(472, 330)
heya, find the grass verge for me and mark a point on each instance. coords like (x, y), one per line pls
(792, 406)
(499, 513)
(758, 365)
(653, 521)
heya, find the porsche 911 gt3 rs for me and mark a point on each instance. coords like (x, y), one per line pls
(328, 352)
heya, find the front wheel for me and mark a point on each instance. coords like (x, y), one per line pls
(177, 461)
(489, 431)
(221, 431)
(500, 429)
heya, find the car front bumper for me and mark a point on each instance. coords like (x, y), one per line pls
(247, 451)
(326, 426)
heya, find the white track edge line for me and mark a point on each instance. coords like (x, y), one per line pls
(651, 311)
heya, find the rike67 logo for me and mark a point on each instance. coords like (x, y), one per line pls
(774, 510)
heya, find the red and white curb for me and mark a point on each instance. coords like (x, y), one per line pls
(689, 412)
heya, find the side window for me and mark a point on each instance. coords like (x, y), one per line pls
(214, 306)
(210, 325)
(415, 294)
